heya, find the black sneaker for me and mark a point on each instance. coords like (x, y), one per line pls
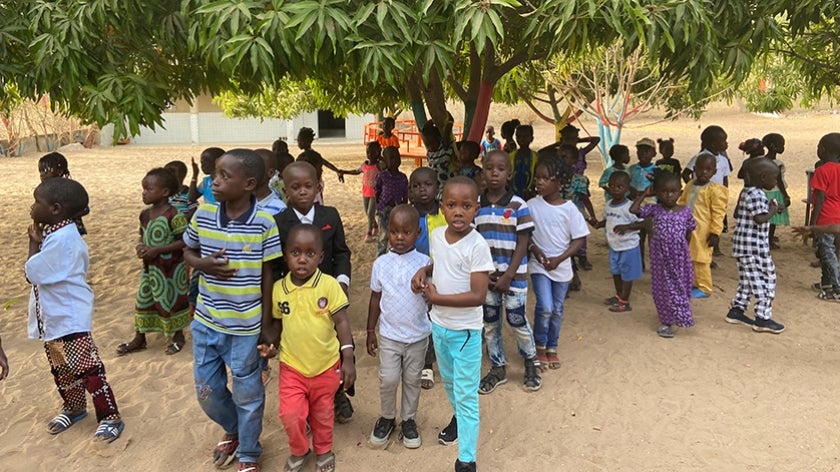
(343, 407)
(493, 379)
(736, 316)
(533, 382)
(409, 435)
(382, 431)
(464, 466)
(767, 326)
(448, 436)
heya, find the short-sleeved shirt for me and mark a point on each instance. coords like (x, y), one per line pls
(369, 174)
(555, 226)
(428, 223)
(454, 264)
(403, 316)
(205, 188)
(751, 238)
(616, 215)
(272, 204)
(233, 306)
(722, 166)
(391, 190)
(385, 141)
(308, 342)
(669, 164)
(181, 201)
(641, 177)
(487, 146)
(500, 224)
(826, 179)
(523, 167)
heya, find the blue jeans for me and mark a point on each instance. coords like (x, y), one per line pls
(515, 314)
(238, 412)
(829, 265)
(548, 312)
(459, 362)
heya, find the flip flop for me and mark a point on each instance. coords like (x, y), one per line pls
(225, 451)
(64, 421)
(326, 464)
(128, 348)
(173, 348)
(295, 464)
(109, 430)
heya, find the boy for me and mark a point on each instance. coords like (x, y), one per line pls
(460, 277)
(713, 139)
(751, 248)
(404, 328)
(439, 150)
(232, 244)
(266, 199)
(707, 201)
(825, 184)
(522, 163)
(641, 173)
(181, 200)
(469, 152)
(505, 223)
(620, 156)
(208, 167)
(623, 238)
(490, 142)
(301, 188)
(390, 190)
(423, 193)
(61, 308)
(387, 138)
(310, 318)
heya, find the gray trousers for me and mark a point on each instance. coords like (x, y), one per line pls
(400, 362)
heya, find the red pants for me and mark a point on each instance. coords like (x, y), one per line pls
(308, 398)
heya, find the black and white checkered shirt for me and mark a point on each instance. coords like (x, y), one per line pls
(751, 238)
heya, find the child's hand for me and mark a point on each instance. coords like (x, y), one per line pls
(348, 372)
(501, 284)
(194, 167)
(620, 229)
(140, 249)
(340, 176)
(648, 192)
(418, 282)
(35, 235)
(787, 201)
(802, 231)
(429, 293)
(372, 344)
(216, 264)
(713, 240)
(267, 351)
(593, 222)
(550, 263)
(774, 206)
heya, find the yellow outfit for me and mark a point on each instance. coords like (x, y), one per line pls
(708, 204)
(308, 342)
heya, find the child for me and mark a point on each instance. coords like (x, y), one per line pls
(825, 185)
(54, 165)
(181, 199)
(302, 187)
(304, 139)
(775, 144)
(208, 167)
(457, 290)
(469, 152)
(232, 244)
(670, 261)
(505, 222)
(310, 318)
(162, 303)
(620, 156)
(559, 232)
(490, 142)
(753, 148)
(370, 170)
(641, 173)
(707, 201)
(668, 163)
(404, 328)
(623, 238)
(578, 193)
(508, 129)
(570, 134)
(387, 138)
(423, 194)
(756, 271)
(712, 139)
(391, 189)
(280, 148)
(266, 199)
(522, 162)
(439, 151)
(61, 308)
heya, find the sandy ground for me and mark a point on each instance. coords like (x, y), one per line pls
(716, 397)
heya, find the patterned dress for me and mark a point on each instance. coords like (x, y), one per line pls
(162, 302)
(670, 264)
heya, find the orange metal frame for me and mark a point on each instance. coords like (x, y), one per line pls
(411, 143)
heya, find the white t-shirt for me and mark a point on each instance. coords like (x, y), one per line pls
(403, 316)
(620, 215)
(454, 263)
(554, 228)
(722, 167)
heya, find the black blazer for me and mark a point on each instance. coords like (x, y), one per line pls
(336, 253)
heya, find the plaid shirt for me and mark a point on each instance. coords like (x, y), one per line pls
(751, 238)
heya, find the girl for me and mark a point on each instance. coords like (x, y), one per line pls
(508, 128)
(559, 233)
(162, 301)
(752, 148)
(668, 163)
(54, 165)
(671, 270)
(775, 144)
(369, 170)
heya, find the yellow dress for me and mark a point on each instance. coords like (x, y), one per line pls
(708, 204)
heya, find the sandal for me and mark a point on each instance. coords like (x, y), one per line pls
(249, 467)
(611, 300)
(225, 451)
(64, 421)
(427, 379)
(128, 348)
(296, 463)
(553, 360)
(109, 430)
(493, 379)
(326, 463)
(665, 331)
(174, 348)
(542, 359)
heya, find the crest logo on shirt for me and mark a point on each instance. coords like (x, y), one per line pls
(322, 302)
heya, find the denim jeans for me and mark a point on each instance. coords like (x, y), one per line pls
(548, 312)
(239, 411)
(828, 261)
(514, 306)
(459, 361)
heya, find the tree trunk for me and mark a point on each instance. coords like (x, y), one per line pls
(482, 112)
(436, 100)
